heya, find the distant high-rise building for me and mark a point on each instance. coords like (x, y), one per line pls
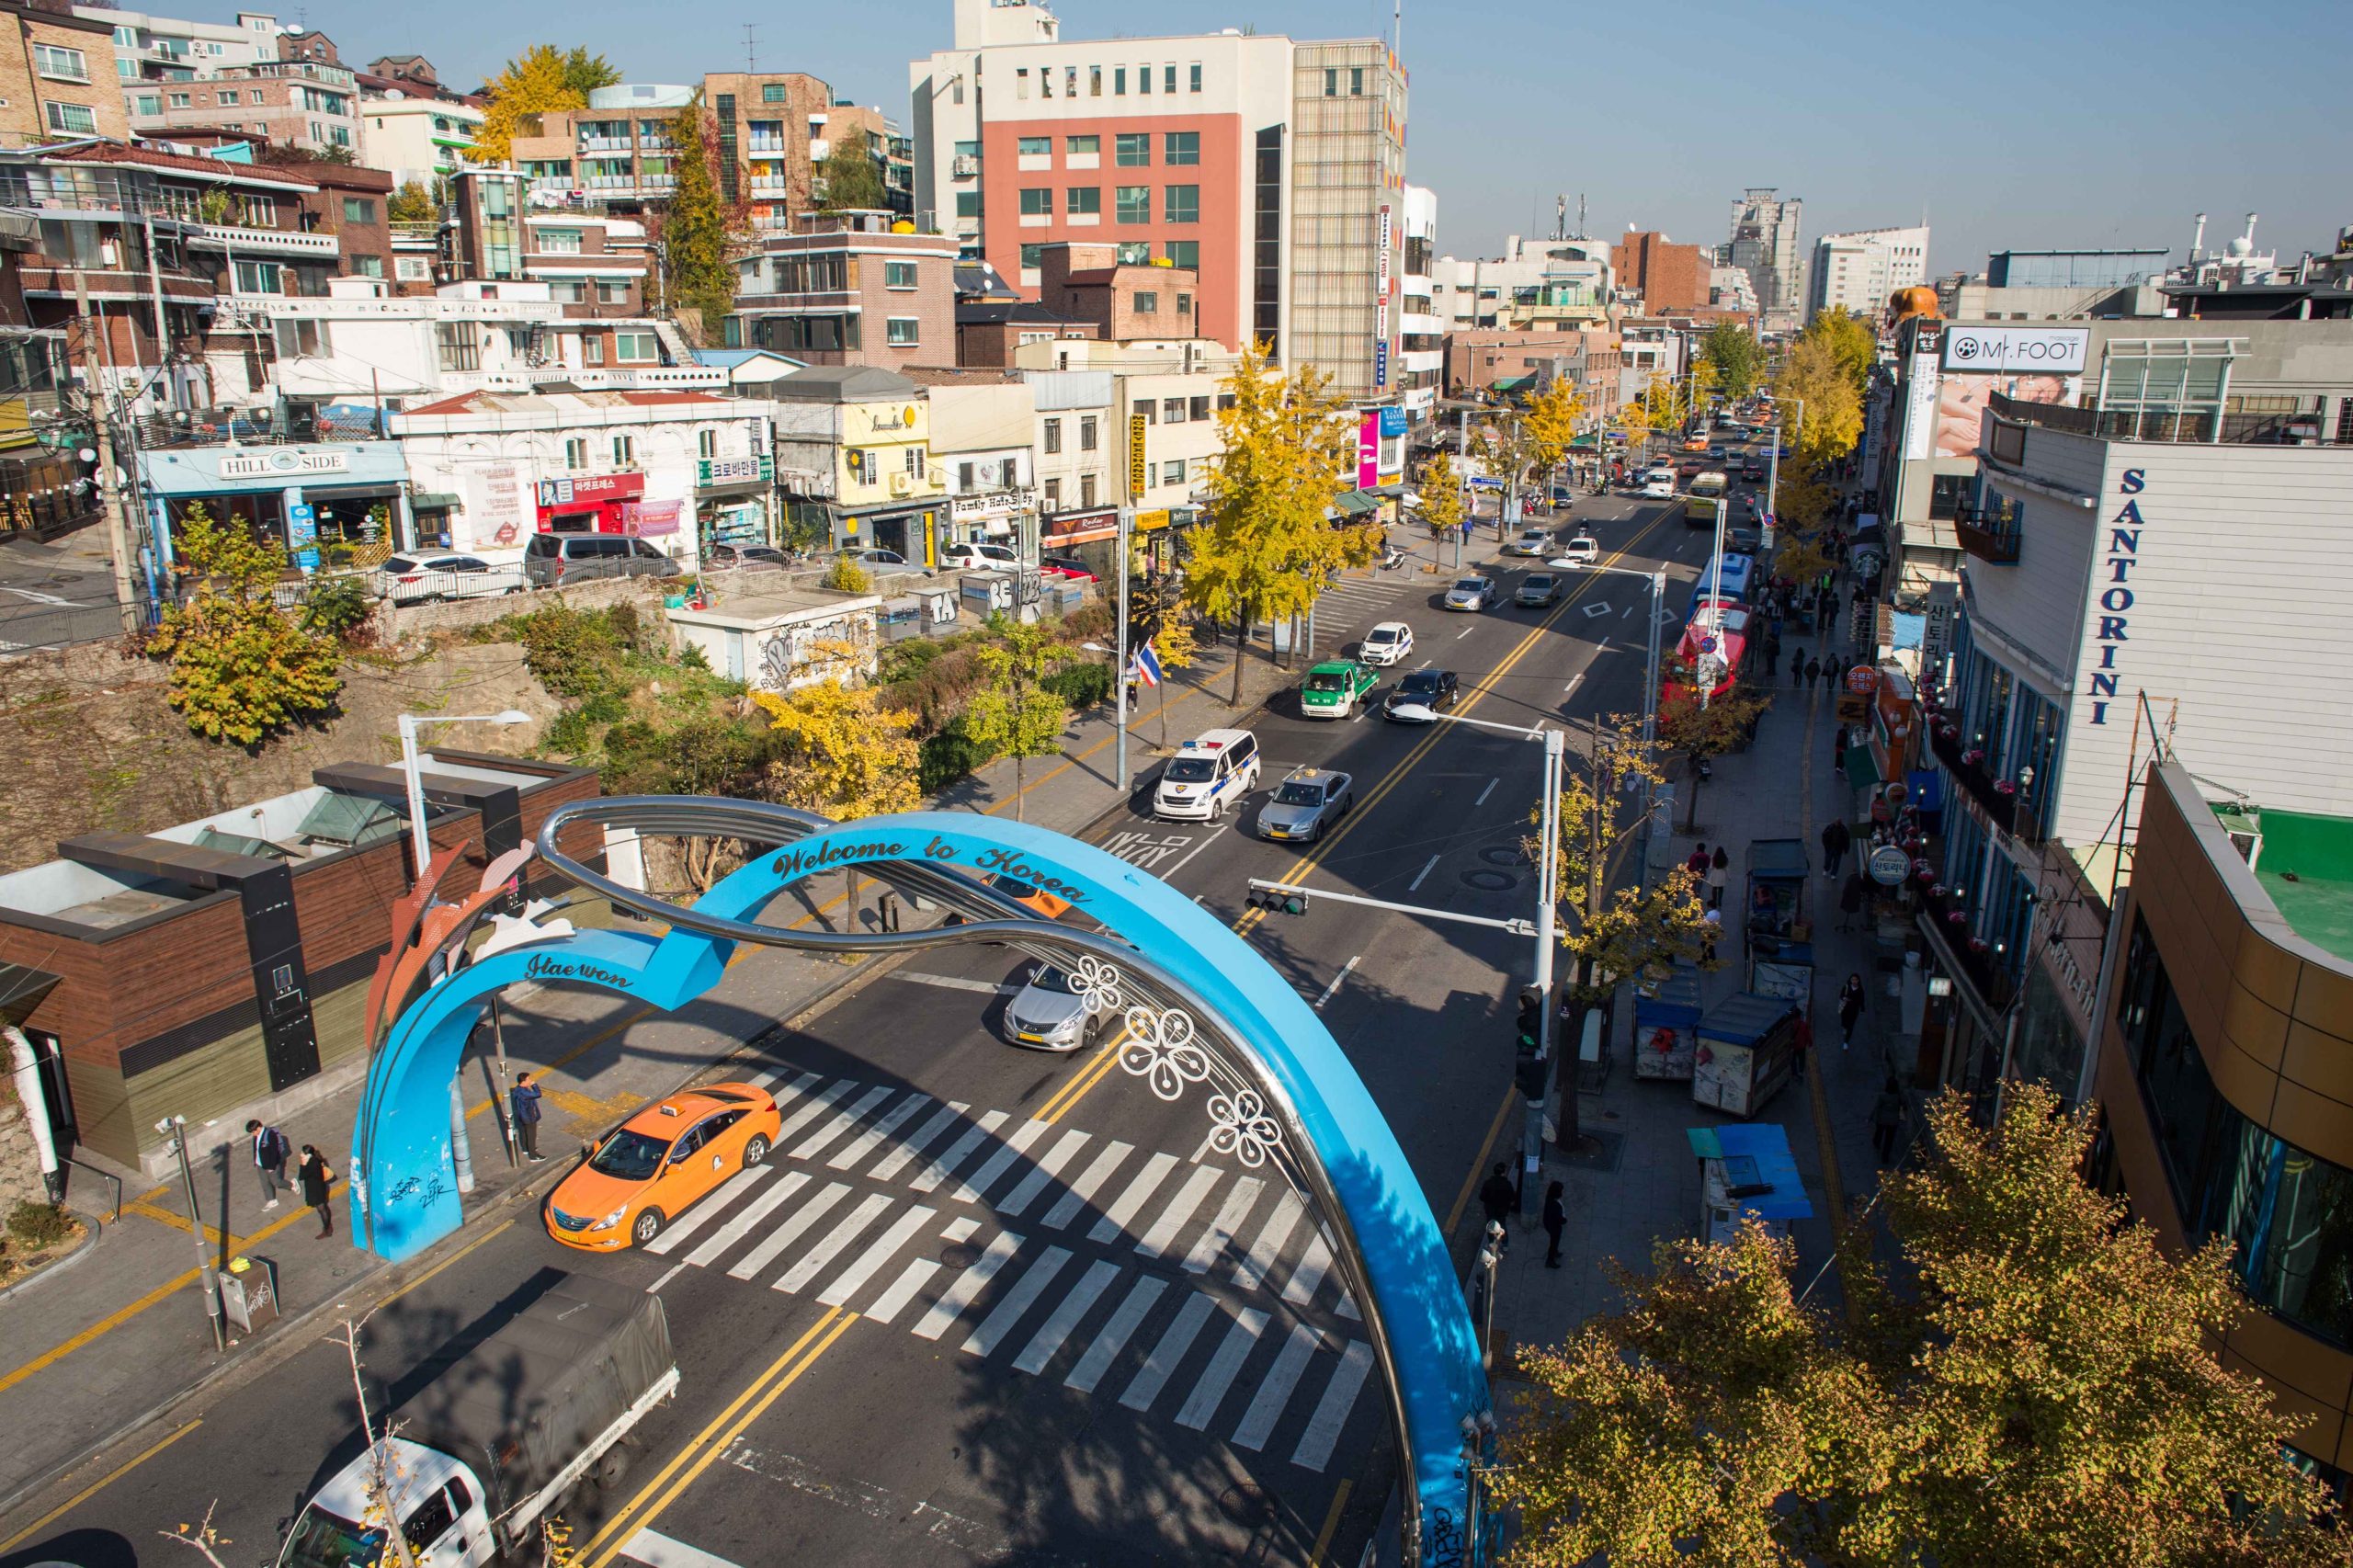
(1765, 245)
(1857, 271)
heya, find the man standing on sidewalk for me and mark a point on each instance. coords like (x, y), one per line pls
(1497, 1198)
(1556, 1219)
(524, 1098)
(271, 1151)
(1834, 840)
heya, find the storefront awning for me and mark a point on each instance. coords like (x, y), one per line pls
(1355, 503)
(1862, 768)
(436, 501)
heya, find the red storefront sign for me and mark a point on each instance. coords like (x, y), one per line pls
(603, 497)
(1079, 528)
(646, 519)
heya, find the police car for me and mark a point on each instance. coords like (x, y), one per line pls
(1209, 773)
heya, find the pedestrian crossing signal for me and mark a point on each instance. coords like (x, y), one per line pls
(1278, 899)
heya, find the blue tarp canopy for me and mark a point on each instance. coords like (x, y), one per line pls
(1673, 1004)
(1743, 1019)
(1757, 1153)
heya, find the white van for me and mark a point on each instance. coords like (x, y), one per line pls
(1658, 484)
(1208, 774)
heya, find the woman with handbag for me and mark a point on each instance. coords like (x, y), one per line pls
(317, 1181)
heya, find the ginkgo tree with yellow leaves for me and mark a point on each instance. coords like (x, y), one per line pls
(1551, 424)
(1266, 547)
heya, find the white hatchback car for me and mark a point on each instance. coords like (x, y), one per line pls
(1386, 643)
(1579, 551)
(417, 579)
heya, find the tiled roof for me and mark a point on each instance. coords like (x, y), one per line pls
(120, 152)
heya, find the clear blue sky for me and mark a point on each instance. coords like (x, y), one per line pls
(2016, 123)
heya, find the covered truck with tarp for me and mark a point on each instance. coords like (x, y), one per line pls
(1747, 1051)
(498, 1439)
(1777, 930)
(1667, 1023)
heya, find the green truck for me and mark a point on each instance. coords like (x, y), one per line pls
(1334, 688)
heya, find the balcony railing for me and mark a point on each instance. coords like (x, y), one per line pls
(774, 146)
(2186, 425)
(1966, 764)
(1989, 535)
(283, 242)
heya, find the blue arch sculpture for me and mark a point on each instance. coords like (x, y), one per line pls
(403, 1193)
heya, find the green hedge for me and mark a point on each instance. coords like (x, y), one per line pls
(1080, 686)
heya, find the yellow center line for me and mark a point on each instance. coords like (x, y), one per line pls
(95, 1488)
(1314, 854)
(832, 1326)
(1331, 1522)
(1093, 1074)
(1478, 1162)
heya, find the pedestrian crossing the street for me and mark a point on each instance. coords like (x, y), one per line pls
(1183, 1290)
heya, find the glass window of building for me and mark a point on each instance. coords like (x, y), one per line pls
(1181, 204)
(1035, 146)
(1032, 257)
(1181, 147)
(900, 332)
(1083, 146)
(1038, 201)
(1132, 204)
(1131, 150)
(1084, 200)
(1182, 253)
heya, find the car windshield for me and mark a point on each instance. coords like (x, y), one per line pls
(1048, 978)
(1326, 681)
(1382, 635)
(322, 1539)
(1295, 793)
(1192, 770)
(1012, 888)
(1539, 582)
(1468, 585)
(1421, 683)
(630, 1156)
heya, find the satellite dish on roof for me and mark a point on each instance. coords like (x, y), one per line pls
(293, 29)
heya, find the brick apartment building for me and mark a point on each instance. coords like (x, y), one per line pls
(594, 262)
(1123, 300)
(1668, 277)
(844, 290)
(58, 77)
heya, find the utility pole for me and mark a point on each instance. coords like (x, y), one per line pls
(109, 492)
(1127, 533)
(176, 1128)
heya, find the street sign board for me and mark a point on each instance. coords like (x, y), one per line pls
(1889, 864)
(1137, 469)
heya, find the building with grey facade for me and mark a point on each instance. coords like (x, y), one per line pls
(1765, 245)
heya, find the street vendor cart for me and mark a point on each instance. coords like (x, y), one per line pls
(1667, 1023)
(1777, 936)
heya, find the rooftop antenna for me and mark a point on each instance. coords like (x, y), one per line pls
(751, 47)
(1581, 230)
(1560, 217)
(2198, 238)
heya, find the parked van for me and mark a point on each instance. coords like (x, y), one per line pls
(1209, 773)
(1658, 484)
(553, 558)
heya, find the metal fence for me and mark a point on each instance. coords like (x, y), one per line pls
(31, 625)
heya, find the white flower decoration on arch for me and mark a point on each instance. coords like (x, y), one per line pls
(1096, 985)
(1160, 1049)
(1240, 1126)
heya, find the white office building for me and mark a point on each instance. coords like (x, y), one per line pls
(1857, 271)
(1765, 245)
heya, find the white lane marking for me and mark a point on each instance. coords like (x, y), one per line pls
(795, 1089)
(1575, 682)
(680, 1228)
(1313, 1264)
(1049, 1165)
(1603, 649)
(1464, 632)
(960, 1230)
(952, 982)
(669, 1274)
(1251, 1271)
(1426, 663)
(1627, 611)
(1029, 1132)
(1336, 982)
(1274, 1391)
(815, 1143)
(784, 1235)
(814, 1109)
(861, 1146)
(983, 1340)
(1065, 1317)
(969, 1285)
(893, 1301)
(1114, 1336)
(1174, 1343)
(1225, 1227)
(1417, 884)
(1180, 1209)
(1123, 1208)
(1316, 1444)
(1170, 874)
(941, 1169)
(837, 1242)
(1081, 1191)
(1597, 610)
(736, 1229)
(655, 1550)
(896, 1161)
(1485, 792)
(1209, 1393)
(855, 1277)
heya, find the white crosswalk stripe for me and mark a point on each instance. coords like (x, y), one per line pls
(1117, 1314)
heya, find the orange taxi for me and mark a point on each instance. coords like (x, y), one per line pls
(1030, 896)
(653, 1167)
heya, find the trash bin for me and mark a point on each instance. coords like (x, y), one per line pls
(249, 1293)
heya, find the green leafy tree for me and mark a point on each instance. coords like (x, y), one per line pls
(1266, 547)
(584, 72)
(536, 82)
(847, 577)
(1732, 349)
(1850, 342)
(412, 203)
(845, 754)
(698, 275)
(242, 668)
(1015, 715)
(2043, 1391)
(852, 177)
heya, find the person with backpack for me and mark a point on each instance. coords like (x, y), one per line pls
(271, 1151)
(318, 1186)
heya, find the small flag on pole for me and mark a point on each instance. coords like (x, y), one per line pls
(1146, 666)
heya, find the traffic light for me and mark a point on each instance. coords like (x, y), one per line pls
(1277, 901)
(1531, 1017)
(1530, 1074)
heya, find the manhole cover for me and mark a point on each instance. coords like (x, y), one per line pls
(1491, 882)
(960, 1256)
(1247, 1503)
(1504, 855)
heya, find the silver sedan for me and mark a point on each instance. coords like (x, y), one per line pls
(1308, 800)
(1471, 593)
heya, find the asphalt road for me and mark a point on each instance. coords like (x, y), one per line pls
(1106, 1344)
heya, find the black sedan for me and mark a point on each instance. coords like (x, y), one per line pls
(1434, 691)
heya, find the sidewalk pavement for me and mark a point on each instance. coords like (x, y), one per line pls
(1641, 1185)
(101, 1348)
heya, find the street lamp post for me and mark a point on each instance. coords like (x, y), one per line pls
(1119, 747)
(176, 1128)
(421, 844)
(1772, 482)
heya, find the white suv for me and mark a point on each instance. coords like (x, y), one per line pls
(1208, 774)
(979, 557)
